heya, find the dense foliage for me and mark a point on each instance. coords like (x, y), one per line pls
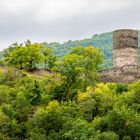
(103, 42)
(29, 56)
(66, 102)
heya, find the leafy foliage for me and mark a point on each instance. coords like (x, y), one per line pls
(29, 56)
(67, 103)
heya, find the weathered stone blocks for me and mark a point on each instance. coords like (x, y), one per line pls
(125, 47)
(125, 58)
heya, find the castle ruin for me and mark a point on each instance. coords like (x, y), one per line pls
(125, 58)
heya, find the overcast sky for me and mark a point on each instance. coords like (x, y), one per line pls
(62, 20)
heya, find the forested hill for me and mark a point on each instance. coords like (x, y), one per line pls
(66, 99)
(103, 41)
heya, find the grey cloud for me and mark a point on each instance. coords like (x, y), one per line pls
(37, 21)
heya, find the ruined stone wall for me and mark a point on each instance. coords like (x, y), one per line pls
(125, 58)
(125, 74)
(125, 47)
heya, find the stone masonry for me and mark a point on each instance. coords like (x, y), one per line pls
(125, 48)
(125, 58)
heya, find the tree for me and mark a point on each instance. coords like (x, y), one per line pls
(70, 68)
(6, 94)
(91, 62)
(32, 88)
(47, 120)
(98, 100)
(78, 129)
(50, 58)
(109, 135)
(26, 56)
(14, 55)
(4, 126)
(79, 69)
(122, 120)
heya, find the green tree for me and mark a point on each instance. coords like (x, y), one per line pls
(7, 94)
(121, 120)
(79, 69)
(70, 68)
(98, 100)
(91, 62)
(32, 88)
(48, 120)
(78, 129)
(49, 59)
(26, 56)
(14, 55)
(106, 136)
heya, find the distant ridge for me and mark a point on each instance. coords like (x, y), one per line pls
(103, 41)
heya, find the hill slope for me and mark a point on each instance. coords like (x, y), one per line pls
(103, 41)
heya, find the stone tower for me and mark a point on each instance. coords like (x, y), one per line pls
(125, 47)
(125, 58)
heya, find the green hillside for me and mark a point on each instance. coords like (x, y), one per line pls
(66, 99)
(103, 41)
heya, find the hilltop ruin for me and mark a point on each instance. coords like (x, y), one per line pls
(125, 58)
